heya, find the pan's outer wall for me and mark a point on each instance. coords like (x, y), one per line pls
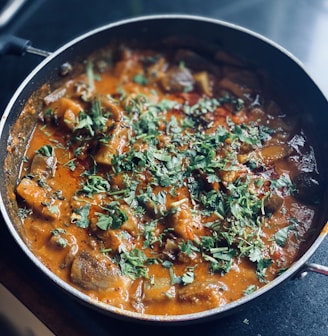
(282, 67)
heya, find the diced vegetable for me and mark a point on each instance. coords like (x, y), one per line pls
(38, 199)
(116, 144)
(97, 272)
(158, 290)
(166, 181)
(177, 79)
(270, 154)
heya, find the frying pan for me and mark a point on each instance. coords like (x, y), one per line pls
(173, 31)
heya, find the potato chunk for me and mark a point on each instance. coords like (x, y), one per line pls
(184, 223)
(270, 154)
(38, 199)
(115, 145)
(67, 110)
(160, 290)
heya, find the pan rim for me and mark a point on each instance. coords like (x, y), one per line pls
(121, 313)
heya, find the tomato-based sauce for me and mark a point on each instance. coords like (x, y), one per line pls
(163, 182)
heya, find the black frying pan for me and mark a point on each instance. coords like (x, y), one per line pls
(171, 30)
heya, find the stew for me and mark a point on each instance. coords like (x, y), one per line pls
(166, 181)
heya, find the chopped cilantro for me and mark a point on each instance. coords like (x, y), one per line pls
(46, 150)
(281, 235)
(94, 185)
(80, 217)
(261, 268)
(140, 79)
(188, 276)
(114, 217)
(250, 289)
(133, 264)
(24, 212)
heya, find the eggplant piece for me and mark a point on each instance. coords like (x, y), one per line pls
(196, 62)
(177, 79)
(116, 144)
(208, 291)
(67, 111)
(90, 272)
(96, 272)
(241, 83)
(43, 165)
(308, 187)
(273, 203)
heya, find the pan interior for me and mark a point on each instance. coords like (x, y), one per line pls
(207, 35)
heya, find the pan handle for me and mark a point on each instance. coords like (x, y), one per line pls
(11, 8)
(312, 267)
(14, 45)
(10, 44)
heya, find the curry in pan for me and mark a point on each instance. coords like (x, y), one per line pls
(166, 182)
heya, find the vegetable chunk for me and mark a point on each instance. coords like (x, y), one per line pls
(38, 199)
(166, 181)
(96, 272)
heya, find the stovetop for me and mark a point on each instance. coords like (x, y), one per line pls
(298, 307)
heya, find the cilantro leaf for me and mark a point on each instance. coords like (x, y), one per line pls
(188, 276)
(46, 150)
(133, 264)
(140, 79)
(281, 235)
(80, 217)
(114, 218)
(94, 185)
(261, 268)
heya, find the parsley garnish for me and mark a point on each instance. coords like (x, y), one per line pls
(94, 185)
(140, 79)
(261, 268)
(114, 218)
(281, 235)
(80, 217)
(250, 289)
(46, 150)
(133, 264)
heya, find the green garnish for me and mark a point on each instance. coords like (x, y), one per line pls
(140, 79)
(114, 217)
(133, 264)
(80, 217)
(281, 235)
(46, 150)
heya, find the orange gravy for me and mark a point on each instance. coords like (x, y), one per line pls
(164, 183)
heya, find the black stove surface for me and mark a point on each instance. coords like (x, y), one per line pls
(298, 307)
